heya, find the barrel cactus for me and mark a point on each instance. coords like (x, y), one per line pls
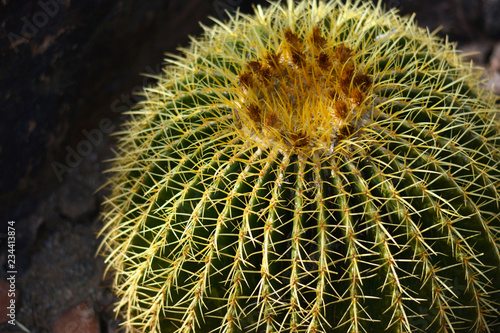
(314, 167)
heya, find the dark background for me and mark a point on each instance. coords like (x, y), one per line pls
(67, 71)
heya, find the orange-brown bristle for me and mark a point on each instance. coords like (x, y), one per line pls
(341, 109)
(332, 93)
(298, 57)
(346, 131)
(273, 59)
(317, 40)
(343, 53)
(357, 96)
(324, 61)
(254, 112)
(346, 76)
(299, 139)
(254, 65)
(265, 74)
(292, 39)
(363, 81)
(246, 79)
(271, 120)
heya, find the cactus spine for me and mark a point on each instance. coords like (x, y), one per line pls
(316, 167)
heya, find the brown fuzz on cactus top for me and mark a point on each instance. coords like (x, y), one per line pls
(314, 167)
(304, 97)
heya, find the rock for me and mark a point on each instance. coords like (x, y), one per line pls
(63, 272)
(495, 58)
(65, 66)
(78, 319)
(77, 201)
(494, 82)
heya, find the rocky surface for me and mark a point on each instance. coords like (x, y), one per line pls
(78, 319)
(62, 91)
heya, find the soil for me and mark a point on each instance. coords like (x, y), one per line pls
(57, 233)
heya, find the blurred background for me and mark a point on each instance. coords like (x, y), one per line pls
(68, 69)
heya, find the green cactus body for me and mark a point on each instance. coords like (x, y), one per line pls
(316, 167)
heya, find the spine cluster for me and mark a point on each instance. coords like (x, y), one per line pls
(307, 81)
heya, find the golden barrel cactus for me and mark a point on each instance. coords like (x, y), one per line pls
(314, 167)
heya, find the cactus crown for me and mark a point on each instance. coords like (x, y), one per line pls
(315, 167)
(302, 95)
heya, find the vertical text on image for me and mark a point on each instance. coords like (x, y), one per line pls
(11, 272)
